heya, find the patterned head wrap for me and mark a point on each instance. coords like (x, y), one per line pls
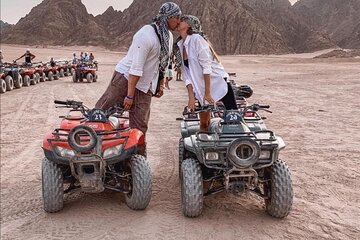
(196, 28)
(168, 9)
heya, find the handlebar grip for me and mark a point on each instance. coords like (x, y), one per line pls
(264, 106)
(60, 102)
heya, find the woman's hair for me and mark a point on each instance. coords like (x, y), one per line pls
(215, 55)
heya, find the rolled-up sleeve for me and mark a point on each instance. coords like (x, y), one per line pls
(140, 47)
(204, 55)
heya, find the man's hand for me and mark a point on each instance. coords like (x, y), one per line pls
(128, 103)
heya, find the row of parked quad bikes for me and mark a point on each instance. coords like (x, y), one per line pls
(93, 150)
(13, 75)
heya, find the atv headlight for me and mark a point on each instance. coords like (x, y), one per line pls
(113, 151)
(64, 152)
(243, 152)
(211, 156)
(264, 154)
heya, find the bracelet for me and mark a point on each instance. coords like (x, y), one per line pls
(129, 97)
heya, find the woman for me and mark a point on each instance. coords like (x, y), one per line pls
(204, 76)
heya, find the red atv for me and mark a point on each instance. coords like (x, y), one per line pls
(30, 76)
(63, 68)
(83, 71)
(93, 150)
(40, 69)
(51, 72)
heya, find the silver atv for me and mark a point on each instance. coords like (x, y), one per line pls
(238, 154)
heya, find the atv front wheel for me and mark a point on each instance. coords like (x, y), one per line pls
(62, 73)
(89, 77)
(26, 81)
(19, 82)
(3, 86)
(279, 190)
(140, 193)
(52, 186)
(9, 81)
(191, 188)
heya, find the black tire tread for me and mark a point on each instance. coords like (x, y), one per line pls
(52, 186)
(281, 192)
(191, 188)
(140, 196)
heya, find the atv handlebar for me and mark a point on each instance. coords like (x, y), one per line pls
(79, 106)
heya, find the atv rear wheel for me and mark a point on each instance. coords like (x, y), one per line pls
(3, 85)
(89, 77)
(9, 81)
(37, 77)
(43, 77)
(56, 75)
(95, 77)
(279, 190)
(61, 73)
(26, 81)
(19, 82)
(52, 186)
(50, 76)
(191, 188)
(140, 195)
(74, 77)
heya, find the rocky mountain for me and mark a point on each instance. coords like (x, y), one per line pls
(237, 31)
(340, 19)
(55, 22)
(298, 36)
(4, 26)
(233, 26)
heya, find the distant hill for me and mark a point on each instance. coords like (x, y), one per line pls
(233, 26)
(4, 26)
(340, 19)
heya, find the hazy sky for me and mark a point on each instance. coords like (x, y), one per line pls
(13, 10)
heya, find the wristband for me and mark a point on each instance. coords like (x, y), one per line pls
(129, 97)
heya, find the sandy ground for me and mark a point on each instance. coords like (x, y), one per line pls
(315, 104)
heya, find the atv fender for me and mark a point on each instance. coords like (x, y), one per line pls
(136, 138)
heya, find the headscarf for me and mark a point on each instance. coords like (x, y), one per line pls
(196, 28)
(168, 9)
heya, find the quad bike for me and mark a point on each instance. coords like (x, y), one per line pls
(63, 68)
(238, 154)
(40, 69)
(93, 150)
(51, 72)
(83, 71)
(12, 76)
(30, 76)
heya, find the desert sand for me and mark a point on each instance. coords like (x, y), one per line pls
(315, 104)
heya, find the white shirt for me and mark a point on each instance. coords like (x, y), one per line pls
(201, 61)
(142, 59)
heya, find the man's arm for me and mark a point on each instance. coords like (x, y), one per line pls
(32, 56)
(132, 81)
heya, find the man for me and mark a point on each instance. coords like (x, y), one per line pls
(137, 75)
(28, 57)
